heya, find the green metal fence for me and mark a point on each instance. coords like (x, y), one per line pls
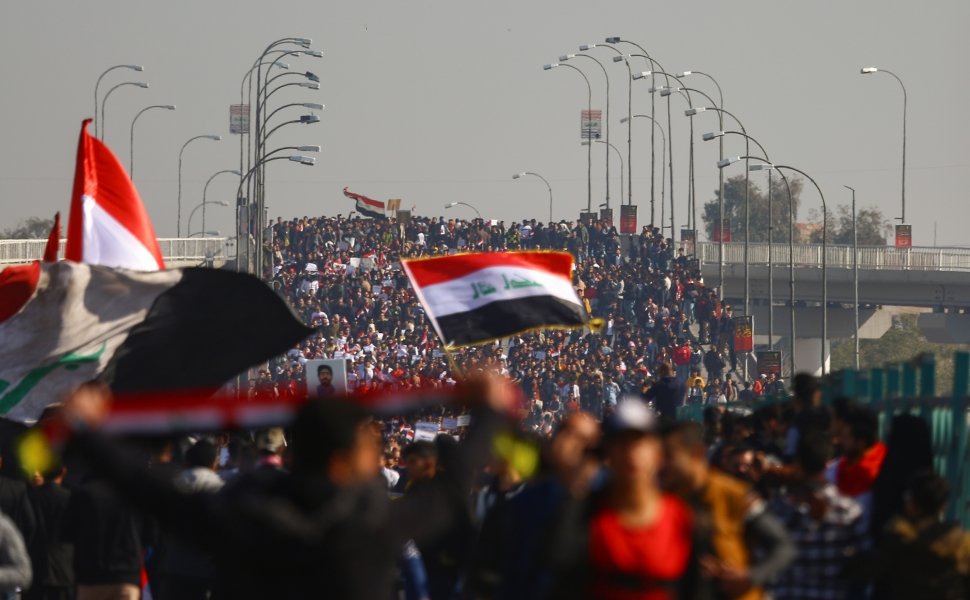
(911, 388)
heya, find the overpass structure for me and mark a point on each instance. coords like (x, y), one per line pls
(177, 252)
(925, 277)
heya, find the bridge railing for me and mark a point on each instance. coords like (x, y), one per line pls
(886, 258)
(173, 249)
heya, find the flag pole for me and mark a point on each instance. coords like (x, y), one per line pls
(452, 362)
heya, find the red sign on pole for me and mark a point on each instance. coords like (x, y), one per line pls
(904, 236)
(743, 334)
(628, 218)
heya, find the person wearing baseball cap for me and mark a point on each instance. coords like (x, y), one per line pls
(636, 540)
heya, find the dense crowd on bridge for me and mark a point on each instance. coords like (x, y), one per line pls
(571, 476)
(342, 275)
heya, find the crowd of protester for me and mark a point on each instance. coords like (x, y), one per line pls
(565, 472)
(342, 275)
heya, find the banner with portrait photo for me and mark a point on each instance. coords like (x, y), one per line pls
(326, 378)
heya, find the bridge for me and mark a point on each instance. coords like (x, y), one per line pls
(925, 277)
(177, 252)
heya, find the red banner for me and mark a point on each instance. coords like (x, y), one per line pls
(628, 218)
(904, 236)
(743, 334)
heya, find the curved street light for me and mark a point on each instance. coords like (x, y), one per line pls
(606, 120)
(205, 190)
(178, 222)
(104, 101)
(586, 134)
(131, 140)
(549, 187)
(97, 121)
(825, 280)
(655, 67)
(720, 203)
(202, 205)
(454, 204)
(298, 158)
(870, 71)
(213, 233)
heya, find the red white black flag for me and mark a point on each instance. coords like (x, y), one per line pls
(367, 206)
(474, 298)
(185, 329)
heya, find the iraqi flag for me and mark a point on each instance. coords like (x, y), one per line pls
(66, 323)
(367, 206)
(108, 224)
(475, 298)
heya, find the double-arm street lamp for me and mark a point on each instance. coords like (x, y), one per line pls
(549, 187)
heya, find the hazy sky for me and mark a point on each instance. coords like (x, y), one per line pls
(433, 101)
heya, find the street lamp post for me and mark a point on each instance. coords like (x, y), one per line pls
(765, 165)
(131, 141)
(720, 177)
(202, 205)
(240, 202)
(869, 71)
(178, 222)
(663, 159)
(205, 190)
(97, 121)
(107, 94)
(747, 223)
(454, 204)
(654, 66)
(549, 187)
(670, 142)
(855, 275)
(589, 149)
(606, 120)
(771, 281)
(825, 276)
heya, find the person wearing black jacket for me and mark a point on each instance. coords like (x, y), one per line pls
(667, 393)
(52, 558)
(326, 528)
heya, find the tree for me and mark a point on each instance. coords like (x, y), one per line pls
(33, 228)
(757, 209)
(871, 222)
(903, 342)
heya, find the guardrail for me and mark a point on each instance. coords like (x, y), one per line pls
(883, 258)
(173, 249)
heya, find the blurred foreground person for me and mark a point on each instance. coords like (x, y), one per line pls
(824, 524)
(630, 540)
(740, 545)
(326, 528)
(52, 558)
(920, 555)
(15, 571)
